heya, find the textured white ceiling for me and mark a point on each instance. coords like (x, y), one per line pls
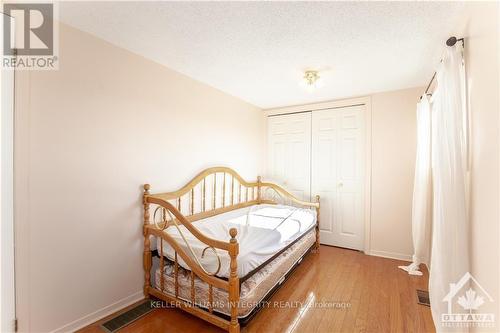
(257, 51)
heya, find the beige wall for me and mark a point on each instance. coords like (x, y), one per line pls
(480, 28)
(88, 136)
(393, 167)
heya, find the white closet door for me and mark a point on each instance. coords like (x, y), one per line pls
(338, 174)
(289, 153)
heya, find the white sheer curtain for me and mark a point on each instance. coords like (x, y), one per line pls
(450, 254)
(421, 210)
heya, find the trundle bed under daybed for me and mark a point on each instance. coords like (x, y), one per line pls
(223, 282)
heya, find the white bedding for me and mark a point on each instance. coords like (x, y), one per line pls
(263, 231)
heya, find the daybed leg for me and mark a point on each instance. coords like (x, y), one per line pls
(147, 247)
(234, 282)
(234, 329)
(317, 224)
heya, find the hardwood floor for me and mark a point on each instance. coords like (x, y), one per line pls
(376, 297)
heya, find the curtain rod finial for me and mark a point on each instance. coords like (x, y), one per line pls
(451, 41)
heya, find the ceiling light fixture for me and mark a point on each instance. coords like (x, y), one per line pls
(311, 80)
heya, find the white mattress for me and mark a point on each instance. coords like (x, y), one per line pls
(263, 230)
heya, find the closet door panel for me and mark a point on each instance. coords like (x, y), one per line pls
(352, 177)
(347, 214)
(324, 171)
(337, 174)
(289, 153)
(299, 157)
(277, 149)
(328, 205)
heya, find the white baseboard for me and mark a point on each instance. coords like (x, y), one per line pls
(99, 314)
(390, 255)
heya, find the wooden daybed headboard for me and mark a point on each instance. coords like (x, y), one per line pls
(218, 190)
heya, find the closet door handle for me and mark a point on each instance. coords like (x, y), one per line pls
(340, 184)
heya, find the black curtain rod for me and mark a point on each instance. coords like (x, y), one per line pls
(450, 42)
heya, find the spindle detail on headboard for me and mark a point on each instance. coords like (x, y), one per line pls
(213, 191)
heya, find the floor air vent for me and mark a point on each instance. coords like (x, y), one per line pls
(127, 317)
(423, 297)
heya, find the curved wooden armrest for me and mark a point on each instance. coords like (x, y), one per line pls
(290, 196)
(189, 226)
(199, 271)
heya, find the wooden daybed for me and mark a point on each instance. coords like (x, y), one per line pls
(181, 277)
